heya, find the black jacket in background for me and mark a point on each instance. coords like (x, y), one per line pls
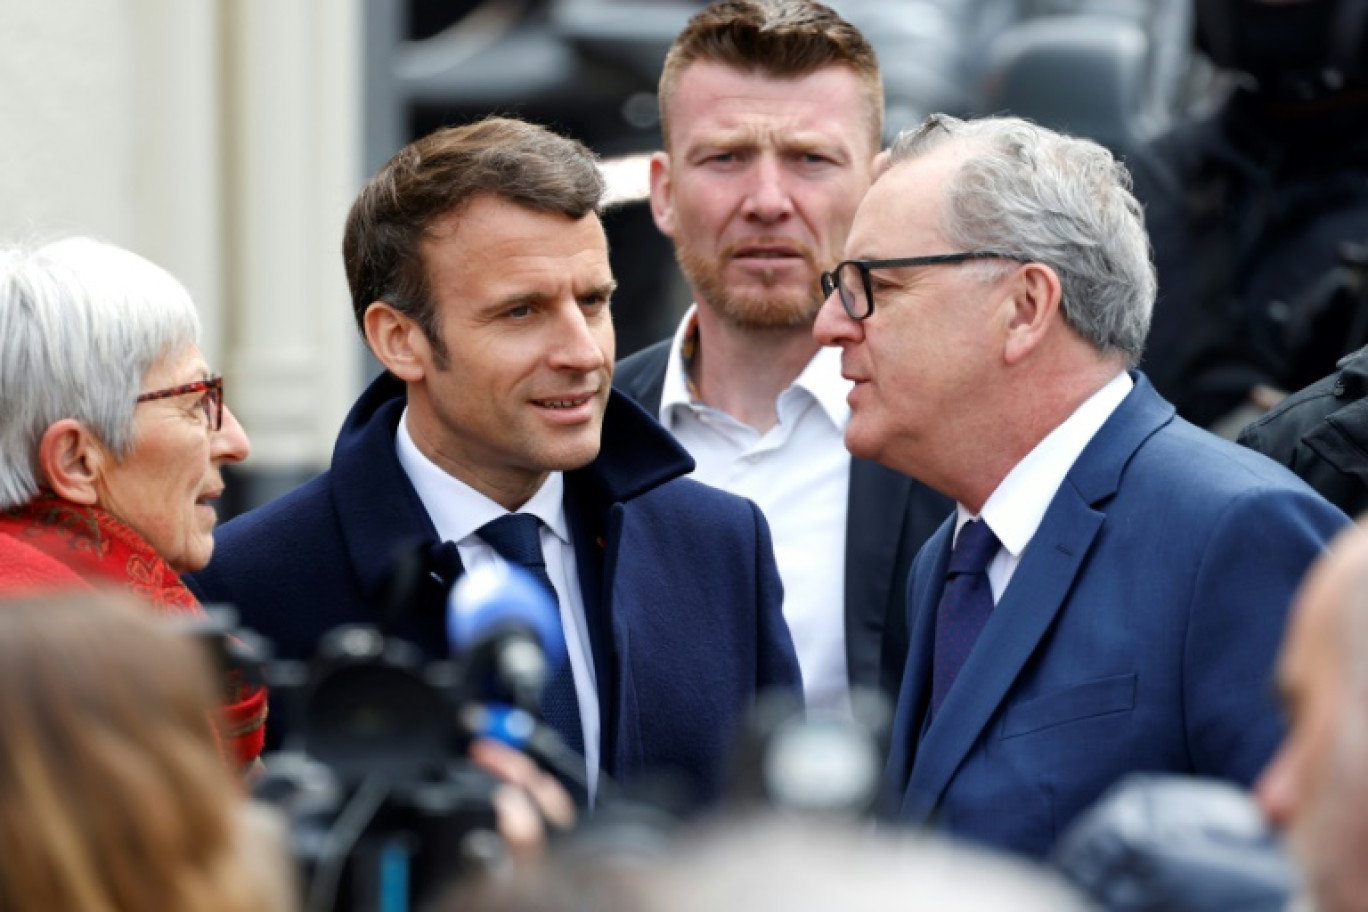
(1321, 433)
(1246, 212)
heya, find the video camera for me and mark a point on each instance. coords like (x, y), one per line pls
(384, 808)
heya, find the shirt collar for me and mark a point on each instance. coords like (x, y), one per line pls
(678, 389)
(457, 510)
(1015, 509)
(821, 378)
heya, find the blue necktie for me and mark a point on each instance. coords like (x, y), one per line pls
(965, 604)
(517, 539)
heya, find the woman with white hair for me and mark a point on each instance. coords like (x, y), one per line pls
(113, 432)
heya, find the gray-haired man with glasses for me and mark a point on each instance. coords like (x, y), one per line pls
(1110, 593)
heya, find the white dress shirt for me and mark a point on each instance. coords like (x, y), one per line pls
(458, 512)
(798, 472)
(1015, 509)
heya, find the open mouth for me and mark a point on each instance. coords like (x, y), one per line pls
(564, 403)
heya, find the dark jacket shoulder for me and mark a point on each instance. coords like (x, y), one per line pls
(1321, 434)
(642, 375)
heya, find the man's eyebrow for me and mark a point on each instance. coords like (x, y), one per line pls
(810, 142)
(603, 289)
(517, 299)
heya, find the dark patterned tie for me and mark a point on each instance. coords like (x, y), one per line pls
(517, 539)
(964, 606)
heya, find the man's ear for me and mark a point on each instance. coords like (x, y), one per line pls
(71, 460)
(662, 194)
(397, 341)
(1035, 301)
(880, 165)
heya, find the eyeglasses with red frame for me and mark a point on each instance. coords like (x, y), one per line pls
(211, 404)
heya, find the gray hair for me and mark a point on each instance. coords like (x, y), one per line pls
(81, 324)
(1058, 200)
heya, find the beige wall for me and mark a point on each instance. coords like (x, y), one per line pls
(220, 138)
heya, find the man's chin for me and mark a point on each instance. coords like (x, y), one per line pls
(769, 313)
(861, 442)
(571, 455)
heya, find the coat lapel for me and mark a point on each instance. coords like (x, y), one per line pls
(384, 527)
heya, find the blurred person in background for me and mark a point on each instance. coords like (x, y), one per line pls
(114, 796)
(1321, 432)
(1316, 787)
(113, 432)
(479, 275)
(772, 113)
(1248, 210)
(1110, 593)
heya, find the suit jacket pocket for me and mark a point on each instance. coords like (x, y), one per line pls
(1082, 701)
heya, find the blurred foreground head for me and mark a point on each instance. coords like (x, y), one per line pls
(114, 795)
(1316, 787)
(781, 864)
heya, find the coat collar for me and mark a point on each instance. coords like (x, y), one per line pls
(382, 514)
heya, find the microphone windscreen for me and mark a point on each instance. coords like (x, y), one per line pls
(497, 597)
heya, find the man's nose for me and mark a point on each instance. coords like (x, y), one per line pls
(834, 326)
(1276, 791)
(769, 199)
(578, 346)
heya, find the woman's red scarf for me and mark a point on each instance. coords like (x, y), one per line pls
(100, 548)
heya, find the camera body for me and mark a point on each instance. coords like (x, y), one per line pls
(383, 809)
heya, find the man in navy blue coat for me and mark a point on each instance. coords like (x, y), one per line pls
(1110, 594)
(480, 279)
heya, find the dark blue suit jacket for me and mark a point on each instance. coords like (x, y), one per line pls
(888, 517)
(1138, 633)
(679, 582)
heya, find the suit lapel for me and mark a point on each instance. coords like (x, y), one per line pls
(876, 504)
(1038, 590)
(1029, 605)
(915, 691)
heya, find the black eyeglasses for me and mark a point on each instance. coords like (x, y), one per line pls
(858, 298)
(211, 404)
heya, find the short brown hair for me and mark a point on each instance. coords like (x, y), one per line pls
(776, 38)
(439, 175)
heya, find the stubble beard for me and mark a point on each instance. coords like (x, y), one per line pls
(776, 306)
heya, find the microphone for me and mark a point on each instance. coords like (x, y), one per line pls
(505, 624)
(507, 627)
